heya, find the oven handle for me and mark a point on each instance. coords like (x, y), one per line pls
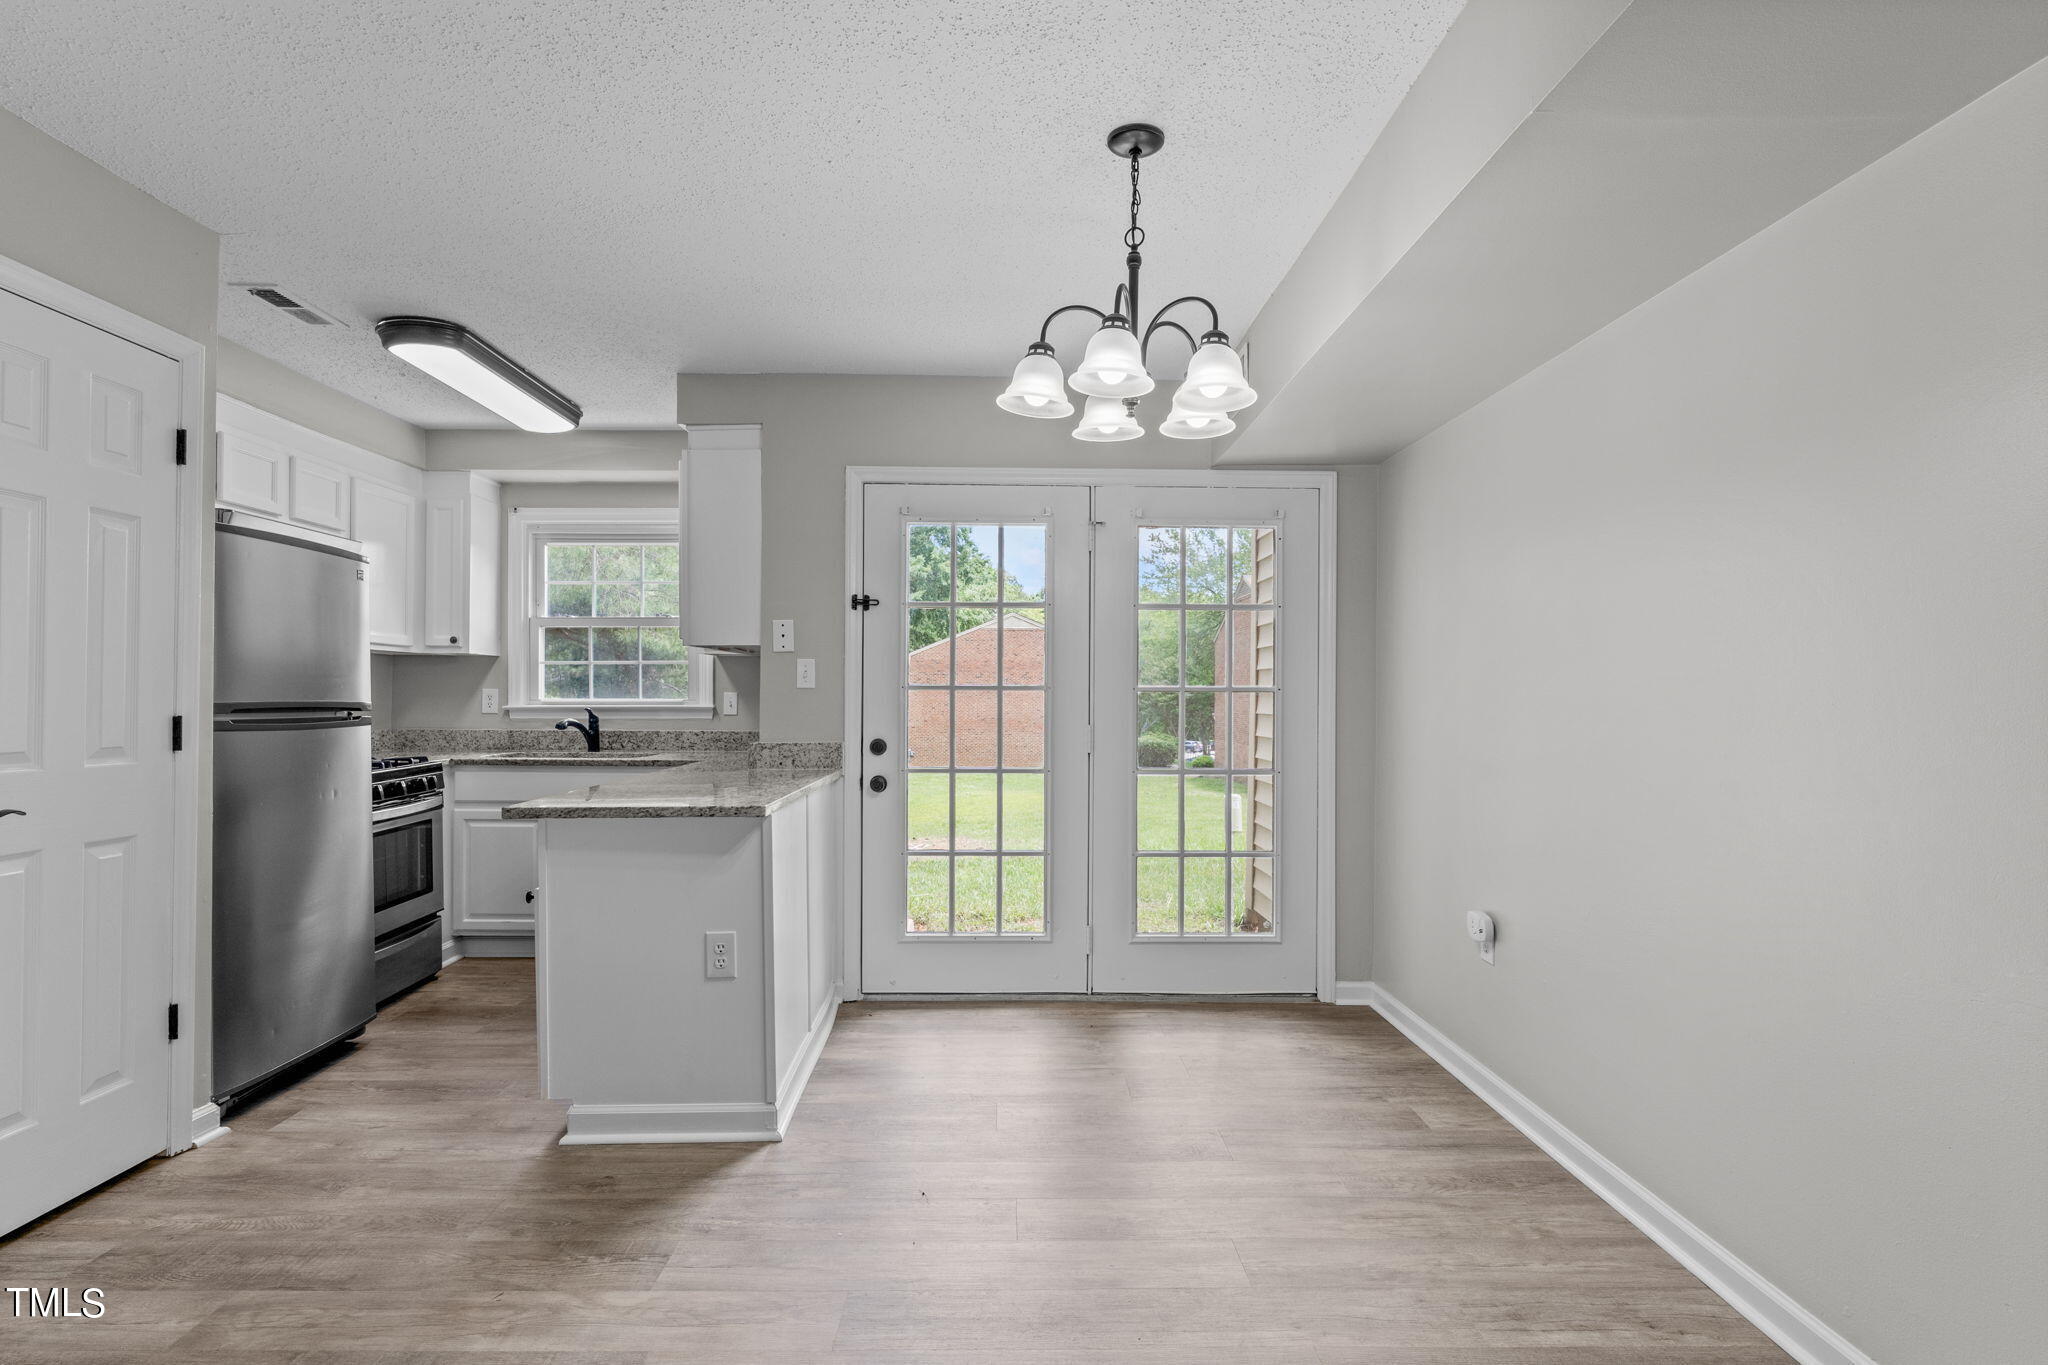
(432, 803)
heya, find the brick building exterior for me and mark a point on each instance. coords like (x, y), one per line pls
(969, 661)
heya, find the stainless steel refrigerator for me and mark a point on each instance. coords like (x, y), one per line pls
(292, 954)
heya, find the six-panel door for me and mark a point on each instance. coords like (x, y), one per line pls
(88, 496)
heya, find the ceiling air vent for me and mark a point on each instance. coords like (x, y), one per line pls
(277, 298)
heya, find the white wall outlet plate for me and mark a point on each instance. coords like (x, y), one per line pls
(721, 955)
(1479, 928)
(490, 701)
(784, 636)
(728, 703)
(806, 672)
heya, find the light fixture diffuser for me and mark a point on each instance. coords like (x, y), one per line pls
(1195, 426)
(480, 372)
(1037, 388)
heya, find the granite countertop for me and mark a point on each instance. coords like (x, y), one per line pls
(704, 788)
(604, 758)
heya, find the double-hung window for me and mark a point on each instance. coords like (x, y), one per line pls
(594, 600)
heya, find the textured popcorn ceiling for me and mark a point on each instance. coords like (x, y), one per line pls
(613, 192)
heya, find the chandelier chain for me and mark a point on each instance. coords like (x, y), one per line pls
(1135, 238)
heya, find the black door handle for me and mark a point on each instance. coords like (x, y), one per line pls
(529, 898)
(878, 783)
(878, 746)
(4, 813)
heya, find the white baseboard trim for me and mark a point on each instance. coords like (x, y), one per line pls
(1355, 993)
(1775, 1313)
(806, 1060)
(494, 945)
(745, 1121)
(450, 955)
(206, 1125)
(594, 1124)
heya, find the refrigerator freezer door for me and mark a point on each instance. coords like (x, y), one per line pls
(289, 629)
(292, 954)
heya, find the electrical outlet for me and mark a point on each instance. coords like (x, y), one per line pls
(784, 637)
(721, 953)
(490, 699)
(806, 672)
(1479, 928)
(728, 703)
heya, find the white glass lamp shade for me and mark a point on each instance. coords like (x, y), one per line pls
(1215, 381)
(1195, 426)
(1037, 389)
(1104, 419)
(1113, 366)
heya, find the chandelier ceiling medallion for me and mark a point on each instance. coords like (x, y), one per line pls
(1112, 375)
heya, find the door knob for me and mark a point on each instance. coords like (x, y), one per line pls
(878, 783)
(529, 898)
(5, 813)
(878, 746)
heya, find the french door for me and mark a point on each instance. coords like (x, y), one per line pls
(1089, 747)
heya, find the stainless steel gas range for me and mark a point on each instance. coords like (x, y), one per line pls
(405, 843)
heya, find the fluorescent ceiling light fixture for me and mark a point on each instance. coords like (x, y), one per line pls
(479, 371)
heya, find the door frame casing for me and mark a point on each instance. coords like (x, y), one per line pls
(1322, 482)
(194, 503)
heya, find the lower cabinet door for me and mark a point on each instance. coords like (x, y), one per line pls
(495, 867)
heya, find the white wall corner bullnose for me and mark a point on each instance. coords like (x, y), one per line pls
(206, 1125)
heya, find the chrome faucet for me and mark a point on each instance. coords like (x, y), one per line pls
(589, 732)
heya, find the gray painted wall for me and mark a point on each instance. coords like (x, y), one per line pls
(1713, 660)
(68, 217)
(262, 382)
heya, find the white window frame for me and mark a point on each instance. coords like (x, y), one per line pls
(531, 530)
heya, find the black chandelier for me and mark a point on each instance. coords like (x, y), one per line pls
(1112, 375)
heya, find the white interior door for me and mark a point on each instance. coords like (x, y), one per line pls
(88, 555)
(974, 775)
(1205, 800)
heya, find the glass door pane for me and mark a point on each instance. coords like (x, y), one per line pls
(1207, 620)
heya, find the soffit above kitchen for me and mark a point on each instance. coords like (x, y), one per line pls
(1559, 164)
(615, 193)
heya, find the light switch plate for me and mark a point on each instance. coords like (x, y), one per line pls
(784, 636)
(806, 672)
(490, 701)
(728, 703)
(721, 953)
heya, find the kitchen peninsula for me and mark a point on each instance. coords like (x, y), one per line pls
(687, 948)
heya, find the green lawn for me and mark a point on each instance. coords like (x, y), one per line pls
(973, 819)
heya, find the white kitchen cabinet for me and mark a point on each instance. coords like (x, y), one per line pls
(387, 522)
(464, 569)
(252, 474)
(492, 862)
(320, 495)
(720, 520)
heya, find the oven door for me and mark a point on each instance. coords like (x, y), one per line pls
(406, 855)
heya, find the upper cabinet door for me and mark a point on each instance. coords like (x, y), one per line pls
(720, 521)
(387, 523)
(253, 475)
(319, 495)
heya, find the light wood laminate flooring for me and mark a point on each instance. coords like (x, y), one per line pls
(963, 1183)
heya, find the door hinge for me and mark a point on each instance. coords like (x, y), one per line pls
(177, 733)
(860, 601)
(174, 1021)
(180, 448)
